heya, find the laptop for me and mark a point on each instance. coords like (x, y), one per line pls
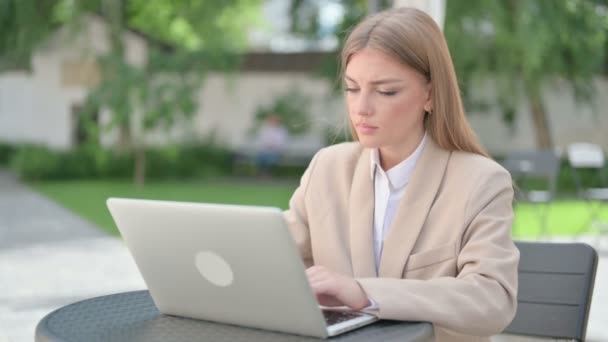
(225, 263)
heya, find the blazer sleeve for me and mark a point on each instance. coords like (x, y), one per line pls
(297, 215)
(481, 300)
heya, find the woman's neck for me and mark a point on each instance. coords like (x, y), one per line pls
(390, 156)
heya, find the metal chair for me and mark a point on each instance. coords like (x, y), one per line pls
(594, 188)
(555, 290)
(535, 176)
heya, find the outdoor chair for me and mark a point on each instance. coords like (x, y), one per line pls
(588, 159)
(535, 176)
(555, 289)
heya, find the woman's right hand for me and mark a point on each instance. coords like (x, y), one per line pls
(334, 289)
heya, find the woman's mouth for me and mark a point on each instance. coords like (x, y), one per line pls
(365, 128)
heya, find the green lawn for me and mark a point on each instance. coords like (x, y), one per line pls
(87, 198)
(564, 217)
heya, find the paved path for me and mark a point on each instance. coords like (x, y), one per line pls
(49, 258)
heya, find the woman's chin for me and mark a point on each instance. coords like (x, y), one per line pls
(369, 143)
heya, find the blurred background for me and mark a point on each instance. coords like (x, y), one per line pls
(169, 99)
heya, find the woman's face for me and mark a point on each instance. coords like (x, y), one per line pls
(386, 100)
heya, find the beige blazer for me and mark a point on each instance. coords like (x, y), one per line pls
(448, 258)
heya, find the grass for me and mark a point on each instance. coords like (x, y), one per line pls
(564, 217)
(87, 199)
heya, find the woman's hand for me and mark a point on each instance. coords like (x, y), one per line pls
(334, 289)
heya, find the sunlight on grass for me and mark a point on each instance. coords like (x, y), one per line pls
(87, 199)
(563, 218)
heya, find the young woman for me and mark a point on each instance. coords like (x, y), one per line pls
(412, 221)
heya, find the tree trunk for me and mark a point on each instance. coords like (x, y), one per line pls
(114, 12)
(540, 120)
(139, 175)
(124, 139)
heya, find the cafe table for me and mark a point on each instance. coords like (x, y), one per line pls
(132, 316)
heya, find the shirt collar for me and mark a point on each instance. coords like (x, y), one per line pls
(399, 175)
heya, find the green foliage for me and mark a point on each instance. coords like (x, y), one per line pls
(188, 24)
(185, 38)
(23, 25)
(164, 89)
(291, 107)
(521, 45)
(527, 43)
(304, 16)
(304, 22)
(6, 153)
(195, 24)
(204, 159)
(330, 68)
(189, 161)
(35, 162)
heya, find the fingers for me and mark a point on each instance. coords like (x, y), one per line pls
(324, 284)
(323, 281)
(326, 300)
(333, 288)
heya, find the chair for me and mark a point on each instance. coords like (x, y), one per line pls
(594, 188)
(535, 176)
(555, 289)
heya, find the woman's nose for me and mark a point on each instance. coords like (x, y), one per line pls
(364, 106)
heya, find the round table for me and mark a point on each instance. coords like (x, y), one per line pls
(132, 316)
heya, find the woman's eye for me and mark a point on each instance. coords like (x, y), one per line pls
(351, 90)
(387, 93)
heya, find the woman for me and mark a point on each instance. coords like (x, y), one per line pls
(412, 221)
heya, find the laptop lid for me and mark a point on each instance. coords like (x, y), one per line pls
(224, 263)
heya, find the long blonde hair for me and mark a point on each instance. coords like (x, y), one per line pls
(413, 38)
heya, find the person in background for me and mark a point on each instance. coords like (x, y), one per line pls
(271, 140)
(412, 220)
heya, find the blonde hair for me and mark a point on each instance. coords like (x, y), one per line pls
(413, 38)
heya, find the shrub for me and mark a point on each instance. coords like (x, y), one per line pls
(292, 107)
(6, 153)
(34, 162)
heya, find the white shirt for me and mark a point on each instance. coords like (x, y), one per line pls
(389, 187)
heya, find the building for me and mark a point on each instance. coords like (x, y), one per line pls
(40, 107)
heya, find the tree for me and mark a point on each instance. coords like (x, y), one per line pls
(524, 45)
(162, 92)
(23, 25)
(187, 38)
(305, 12)
(304, 15)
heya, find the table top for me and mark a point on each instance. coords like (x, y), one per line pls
(132, 316)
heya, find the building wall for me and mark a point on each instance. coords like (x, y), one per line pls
(36, 106)
(228, 107)
(229, 103)
(569, 121)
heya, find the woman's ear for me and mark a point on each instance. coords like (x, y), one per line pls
(428, 104)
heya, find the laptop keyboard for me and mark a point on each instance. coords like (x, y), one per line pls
(333, 317)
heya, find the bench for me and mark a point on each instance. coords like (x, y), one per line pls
(298, 152)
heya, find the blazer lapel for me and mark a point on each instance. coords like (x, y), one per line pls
(413, 209)
(361, 219)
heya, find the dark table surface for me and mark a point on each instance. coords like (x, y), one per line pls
(132, 316)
